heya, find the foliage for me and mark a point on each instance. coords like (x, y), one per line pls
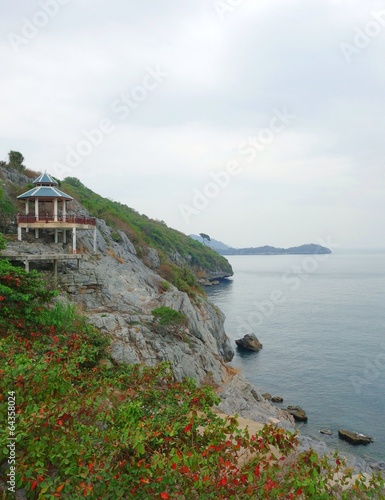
(22, 295)
(7, 210)
(16, 160)
(204, 236)
(86, 430)
(2, 242)
(167, 316)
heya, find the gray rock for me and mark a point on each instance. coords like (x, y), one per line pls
(298, 413)
(249, 342)
(266, 395)
(153, 258)
(328, 432)
(354, 437)
(277, 399)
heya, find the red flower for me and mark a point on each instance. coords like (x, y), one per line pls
(164, 495)
(2, 298)
(173, 466)
(223, 481)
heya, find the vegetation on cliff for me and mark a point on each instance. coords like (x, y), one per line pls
(182, 260)
(85, 428)
(144, 232)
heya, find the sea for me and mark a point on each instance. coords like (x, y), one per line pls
(321, 321)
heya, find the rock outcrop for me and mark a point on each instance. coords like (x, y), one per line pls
(354, 437)
(249, 343)
(297, 413)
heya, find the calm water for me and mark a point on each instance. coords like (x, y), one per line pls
(322, 326)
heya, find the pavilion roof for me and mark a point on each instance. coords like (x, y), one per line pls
(45, 179)
(45, 192)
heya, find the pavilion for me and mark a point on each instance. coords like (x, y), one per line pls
(49, 207)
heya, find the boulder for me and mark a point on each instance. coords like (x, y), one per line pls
(298, 413)
(277, 399)
(328, 432)
(249, 343)
(354, 437)
(267, 396)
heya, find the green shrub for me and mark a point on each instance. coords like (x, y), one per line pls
(166, 316)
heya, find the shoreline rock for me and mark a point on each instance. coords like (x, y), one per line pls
(354, 438)
(249, 343)
(297, 413)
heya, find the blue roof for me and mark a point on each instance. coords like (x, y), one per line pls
(45, 192)
(45, 179)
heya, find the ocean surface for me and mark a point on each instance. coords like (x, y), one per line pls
(321, 320)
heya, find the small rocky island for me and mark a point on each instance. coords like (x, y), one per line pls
(249, 343)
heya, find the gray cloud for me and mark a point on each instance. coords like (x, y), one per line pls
(324, 174)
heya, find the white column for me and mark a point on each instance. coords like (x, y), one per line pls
(95, 240)
(74, 239)
(36, 233)
(55, 209)
(19, 233)
(56, 236)
(64, 236)
(27, 212)
(37, 209)
(64, 211)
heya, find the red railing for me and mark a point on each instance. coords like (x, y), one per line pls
(70, 219)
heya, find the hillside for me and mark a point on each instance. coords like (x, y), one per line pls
(179, 260)
(223, 249)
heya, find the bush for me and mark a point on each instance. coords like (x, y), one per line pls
(165, 316)
(2, 242)
(84, 430)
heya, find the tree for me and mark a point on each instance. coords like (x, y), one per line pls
(2, 242)
(16, 161)
(204, 237)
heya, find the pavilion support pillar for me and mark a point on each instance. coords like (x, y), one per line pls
(95, 240)
(56, 236)
(64, 210)
(64, 236)
(26, 264)
(55, 209)
(19, 233)
(74, 239)
(27, 213)
(36, 233)
(37, 209)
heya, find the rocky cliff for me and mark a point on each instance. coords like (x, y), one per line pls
(118, 293)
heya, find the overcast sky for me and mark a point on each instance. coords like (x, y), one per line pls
(256, 122)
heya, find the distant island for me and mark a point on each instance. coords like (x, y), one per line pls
(224, 249)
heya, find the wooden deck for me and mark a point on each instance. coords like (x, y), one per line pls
(54, 257)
